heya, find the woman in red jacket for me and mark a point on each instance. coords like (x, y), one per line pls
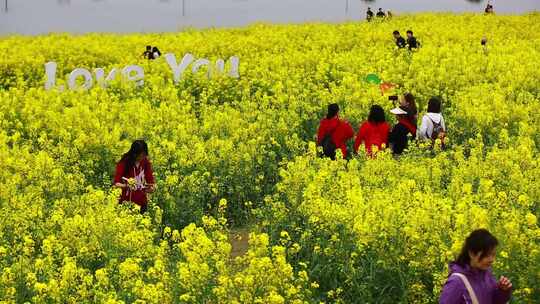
(134, 175)
(373, 132)
(334, 133)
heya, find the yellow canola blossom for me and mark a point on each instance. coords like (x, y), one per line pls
(231, 152)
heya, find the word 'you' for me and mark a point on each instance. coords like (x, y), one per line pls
(135, 73)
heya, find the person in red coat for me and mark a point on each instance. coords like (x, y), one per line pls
(373, 132)
(337, 130)
(134, 175)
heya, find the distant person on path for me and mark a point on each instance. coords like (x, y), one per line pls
(483, 42)
(334, 133)
(399, 136)
(411, 40)
(134, 175)
(155, 53)
(433, 126)
(470, 279)
(373, 132)
(380, 13)
(148, 53)
(389, 15)
(369, 14)
(400, 41)
(489, 9)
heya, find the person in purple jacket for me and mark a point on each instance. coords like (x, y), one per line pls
(470, 280)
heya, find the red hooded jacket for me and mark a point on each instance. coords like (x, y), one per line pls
(372, 134)
(341, 132)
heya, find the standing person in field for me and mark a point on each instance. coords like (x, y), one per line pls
(380, 13)
(155, 53)
(407, 102)
(484, 42)
(369, 14)
(489, 9)
(411, 40)
(433, 126)
(400, 41)
(470, 279)
(374, 132)
(134, 175)
(399, 136)
(148, 53)
(334, 133)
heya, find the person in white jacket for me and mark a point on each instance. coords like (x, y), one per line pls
(433, 125)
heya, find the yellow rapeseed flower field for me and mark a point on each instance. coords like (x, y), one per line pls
(231, 152)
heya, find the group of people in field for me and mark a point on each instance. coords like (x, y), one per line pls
(376, 134)
(151, 52)
(380, 14)
(411, 42)
(470, 279)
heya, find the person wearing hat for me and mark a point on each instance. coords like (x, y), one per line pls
(398, 138)
(334, 133)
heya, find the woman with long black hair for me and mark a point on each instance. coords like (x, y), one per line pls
(470, 279)
(134, 175)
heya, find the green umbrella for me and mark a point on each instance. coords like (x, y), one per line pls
(373, 79)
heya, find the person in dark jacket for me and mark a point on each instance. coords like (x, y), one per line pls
(470, 279)
(374, 132)
(148, 53)
(156, 53)
(399, 136)
(400, 41)
(337, 130)
(411, 40)
(380, 13)
(369, 14)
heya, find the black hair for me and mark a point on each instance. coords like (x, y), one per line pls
(479, 241)
(380, 8)
(333, 110)
(137, 147)
(434, 105)
(409, 98)
(396, 32)
(409, 32)
(148, 47)
(376, 114)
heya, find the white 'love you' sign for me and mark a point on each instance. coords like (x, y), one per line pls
(135, 73)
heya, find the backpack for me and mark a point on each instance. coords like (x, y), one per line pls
(438, 132)
(328, 145)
